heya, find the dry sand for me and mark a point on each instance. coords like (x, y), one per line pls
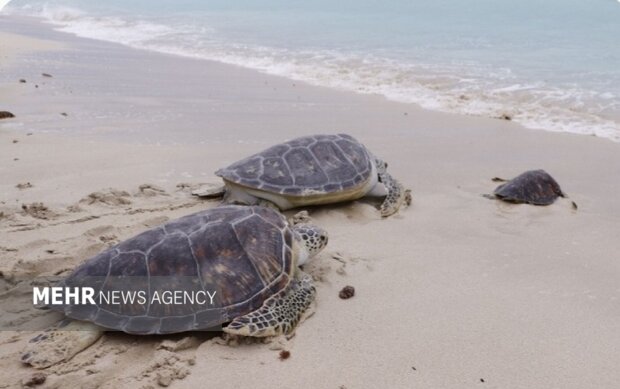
(456, 291)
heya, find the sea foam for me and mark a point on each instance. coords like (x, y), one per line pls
(458, 87)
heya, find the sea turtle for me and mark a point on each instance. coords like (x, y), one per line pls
(535, 187)
(246, 257)
(310, 170)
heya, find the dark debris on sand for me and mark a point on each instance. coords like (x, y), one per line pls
(285, 355)
(38, 211)
(24, 185)
(347, 292)
(6, 115)
(35, 380)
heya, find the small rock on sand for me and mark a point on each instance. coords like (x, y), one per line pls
(347, 292)
(6, 115)
(46, 75)
(34, 380)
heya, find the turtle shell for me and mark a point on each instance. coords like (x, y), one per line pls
(305, 166)
(532, 187)
(243, 254)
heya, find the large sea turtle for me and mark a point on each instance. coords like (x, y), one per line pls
(246, 257)
(535, 187)
(311, 170)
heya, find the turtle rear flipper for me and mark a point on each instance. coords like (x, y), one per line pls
(210, 192)
(280, 313)
(60, 343)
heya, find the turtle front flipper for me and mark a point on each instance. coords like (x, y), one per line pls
(396, 196)
(280, 313)
(60, 343)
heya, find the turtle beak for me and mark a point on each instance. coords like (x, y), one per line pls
(314, 238)
(317, 240)
(323, 239)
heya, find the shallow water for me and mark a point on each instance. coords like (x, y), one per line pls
(546, 64)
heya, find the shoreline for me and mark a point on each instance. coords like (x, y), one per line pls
(40, 44)
(572, 120)
(451, 291)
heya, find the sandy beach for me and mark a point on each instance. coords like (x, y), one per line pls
(455, 291)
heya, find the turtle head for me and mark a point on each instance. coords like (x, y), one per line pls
(313, 239)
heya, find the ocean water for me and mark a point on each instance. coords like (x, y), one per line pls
(547, 64)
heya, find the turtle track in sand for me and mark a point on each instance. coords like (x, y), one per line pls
(53, 247)
(46, 241)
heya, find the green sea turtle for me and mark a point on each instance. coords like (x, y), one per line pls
(535, 187)
(311, 170)
(247, 258)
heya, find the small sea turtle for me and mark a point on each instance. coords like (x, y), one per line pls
(246, 257)
(535, 187)
(311, 170)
